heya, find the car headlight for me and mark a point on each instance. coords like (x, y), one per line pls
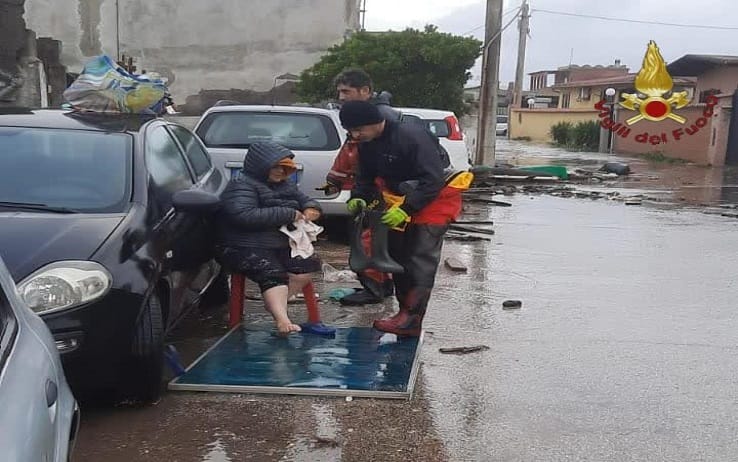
(64, 285)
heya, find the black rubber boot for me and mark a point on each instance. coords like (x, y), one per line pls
(372, 291)
(360, 297)
(380, 259)
(358, 260)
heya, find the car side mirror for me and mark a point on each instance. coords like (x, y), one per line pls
(195, 201)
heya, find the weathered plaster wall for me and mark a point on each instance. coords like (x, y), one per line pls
(199, 45)
(12, 42)
(724, 78)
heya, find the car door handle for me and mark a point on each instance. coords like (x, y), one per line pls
(52, 393)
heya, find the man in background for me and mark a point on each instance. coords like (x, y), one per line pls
(356, 85)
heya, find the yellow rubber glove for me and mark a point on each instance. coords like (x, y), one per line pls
(394, 217)
(355, 205)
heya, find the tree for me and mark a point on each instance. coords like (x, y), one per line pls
(420, 68)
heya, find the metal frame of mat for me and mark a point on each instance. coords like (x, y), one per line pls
(302, 391)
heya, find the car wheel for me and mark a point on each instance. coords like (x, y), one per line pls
(218, 293)
(147, 358)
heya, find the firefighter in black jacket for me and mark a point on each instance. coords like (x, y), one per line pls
(403, 166)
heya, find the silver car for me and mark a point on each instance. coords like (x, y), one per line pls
(40, 417)
(313, 134)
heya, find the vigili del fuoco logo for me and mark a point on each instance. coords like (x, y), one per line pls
(654, 100)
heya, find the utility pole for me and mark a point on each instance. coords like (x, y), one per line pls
(117, 32)
(362, 14)
(487, 123)
(524, 27)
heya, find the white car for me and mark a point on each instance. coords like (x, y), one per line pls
(40, 417)
(446, 127)
(313, 134)
(501, 127)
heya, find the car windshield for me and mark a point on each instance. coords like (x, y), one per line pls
(301, 132)
(501, 119)
(64, 170)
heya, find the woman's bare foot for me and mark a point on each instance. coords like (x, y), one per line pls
(275, 301)
(286, 327)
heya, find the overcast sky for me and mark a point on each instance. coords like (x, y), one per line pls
(552, 37)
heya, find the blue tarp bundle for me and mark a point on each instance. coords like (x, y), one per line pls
(106, 87)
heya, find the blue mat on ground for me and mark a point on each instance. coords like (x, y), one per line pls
(358, 361)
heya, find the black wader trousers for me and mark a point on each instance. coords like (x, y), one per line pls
(418, 250)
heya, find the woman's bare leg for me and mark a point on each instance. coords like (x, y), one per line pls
(298, 282)
(275, 302)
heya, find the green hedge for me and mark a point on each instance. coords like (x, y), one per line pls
(584, 136)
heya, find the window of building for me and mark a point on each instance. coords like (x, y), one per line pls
(565, 100)
(707, 93)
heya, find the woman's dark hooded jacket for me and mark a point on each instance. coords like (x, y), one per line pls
(252, 210)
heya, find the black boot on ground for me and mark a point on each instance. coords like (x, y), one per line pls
(360, 297)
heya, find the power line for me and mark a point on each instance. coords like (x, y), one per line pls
(499, 32)
(638, 21)
(503, 15)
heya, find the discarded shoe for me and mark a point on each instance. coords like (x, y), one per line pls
(403, 324)
(360, 297)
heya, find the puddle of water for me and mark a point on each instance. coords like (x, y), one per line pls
(216, 452)
(324, 446)
(681, 183)
(627, 325)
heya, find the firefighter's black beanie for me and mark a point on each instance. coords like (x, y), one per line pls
(359, 113)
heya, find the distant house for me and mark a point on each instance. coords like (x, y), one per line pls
(471, 96)
(545, 84)
(716, 75)
(584, 94)
(701, 139)
(556, 97)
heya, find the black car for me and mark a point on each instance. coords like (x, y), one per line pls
(103, 226)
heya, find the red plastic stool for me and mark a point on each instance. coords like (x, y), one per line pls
(313, 326)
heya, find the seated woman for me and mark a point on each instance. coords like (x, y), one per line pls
(253, 209)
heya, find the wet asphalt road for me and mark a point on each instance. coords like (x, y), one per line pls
(624, 350)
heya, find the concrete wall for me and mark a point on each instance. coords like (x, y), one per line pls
(724, 78)
(199, 45)
(718, 148)
(536, 123)
(13, 39)
(694, 148)
(576, 75)
(576, 103)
